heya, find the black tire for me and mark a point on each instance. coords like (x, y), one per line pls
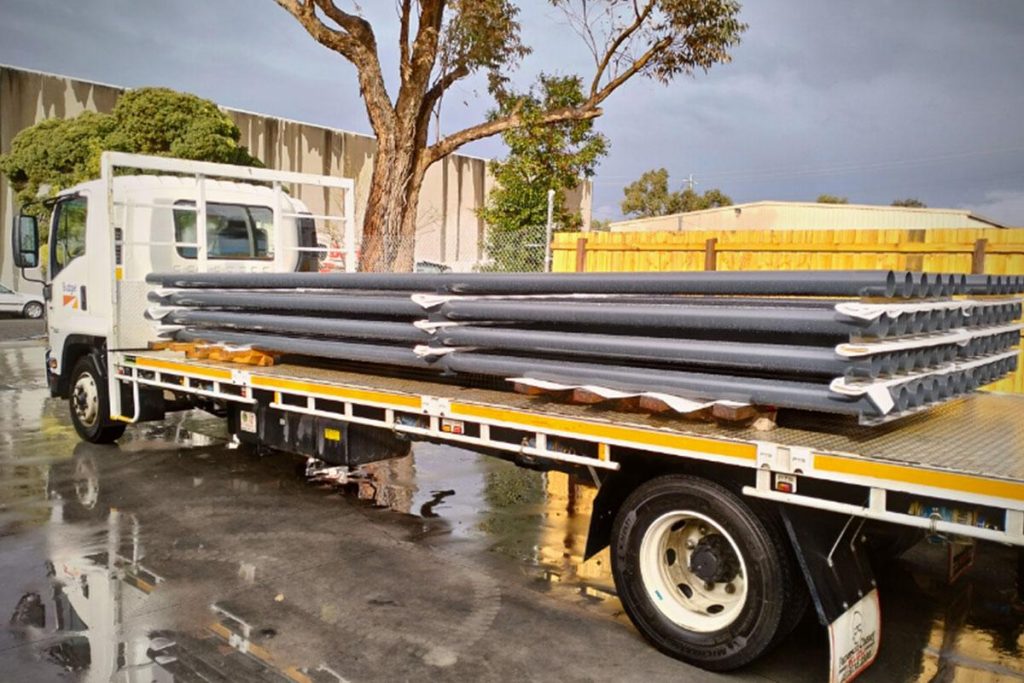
(91, 415)
(772, 584)
(32, 310)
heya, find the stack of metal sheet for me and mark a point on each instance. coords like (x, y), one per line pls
(875, 344)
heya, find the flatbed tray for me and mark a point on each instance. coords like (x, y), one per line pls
(980, 435)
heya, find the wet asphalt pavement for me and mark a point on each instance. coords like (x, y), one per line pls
(175, 557)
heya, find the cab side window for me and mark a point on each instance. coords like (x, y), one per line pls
(233, 231)
(69, 233)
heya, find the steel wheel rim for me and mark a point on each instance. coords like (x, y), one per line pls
(675, 589)
(86, 400)
(34, 310)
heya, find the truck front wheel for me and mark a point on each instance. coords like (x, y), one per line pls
(702, 576)
(90, 405)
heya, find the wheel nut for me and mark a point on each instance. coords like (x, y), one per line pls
(703, 530)
(730, 589)
(690, 545)
(709, 585)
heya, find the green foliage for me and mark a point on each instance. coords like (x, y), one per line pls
(831, 199)
(541, 157)
(481, 35)
(58, 153)
(689, 200)
(55, 154)
(910, 203)
(649, 196)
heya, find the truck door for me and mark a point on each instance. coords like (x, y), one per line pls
(70, 301)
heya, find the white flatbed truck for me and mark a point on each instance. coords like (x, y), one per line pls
(718, 533)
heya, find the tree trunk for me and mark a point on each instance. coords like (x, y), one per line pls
(389, 228)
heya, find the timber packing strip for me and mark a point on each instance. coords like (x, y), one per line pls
(872, 344)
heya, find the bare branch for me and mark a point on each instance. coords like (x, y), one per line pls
(339, 41)
(424, 47)
(450, 143)
(421, 60)
(633, 69)
(361, 52)
(613, 48)
(355, 25)
(580, 24)
(403, 38)
(588, 110)
(444, 82)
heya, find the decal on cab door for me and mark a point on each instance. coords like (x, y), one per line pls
(70, 296)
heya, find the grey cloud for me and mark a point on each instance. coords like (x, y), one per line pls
(821, 96)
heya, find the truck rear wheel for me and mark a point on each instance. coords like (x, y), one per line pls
(90, 405)
(700, 574)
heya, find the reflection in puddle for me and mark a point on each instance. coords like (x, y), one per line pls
(977, 630)
(175, 557)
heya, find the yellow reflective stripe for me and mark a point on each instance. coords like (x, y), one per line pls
(952, 481)
(598, 430)
(212, 373)
(400, 400)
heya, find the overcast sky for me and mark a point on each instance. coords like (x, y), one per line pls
(871, 99)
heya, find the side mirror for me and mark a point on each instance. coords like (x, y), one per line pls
(25, 238)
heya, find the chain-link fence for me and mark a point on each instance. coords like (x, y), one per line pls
(513, 251)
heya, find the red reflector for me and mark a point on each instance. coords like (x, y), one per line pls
(784, 486)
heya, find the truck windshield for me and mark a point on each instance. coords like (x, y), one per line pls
(233, 231)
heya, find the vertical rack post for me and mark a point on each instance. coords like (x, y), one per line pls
(279, 225)
(201, 250)
(350, 229)
(113, 387)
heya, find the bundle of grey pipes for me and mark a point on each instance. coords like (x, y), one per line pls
(873, 344)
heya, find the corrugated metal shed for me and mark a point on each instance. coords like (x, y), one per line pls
(808, 216)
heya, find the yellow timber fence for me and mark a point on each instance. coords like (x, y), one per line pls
(995, 251)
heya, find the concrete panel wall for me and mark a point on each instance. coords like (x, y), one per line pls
(448, 229)
(27, 97)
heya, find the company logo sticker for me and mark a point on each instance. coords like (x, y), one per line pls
(70, 296)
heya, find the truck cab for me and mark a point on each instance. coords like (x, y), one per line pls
(105, 235)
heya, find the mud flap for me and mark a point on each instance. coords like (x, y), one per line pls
(831, 553)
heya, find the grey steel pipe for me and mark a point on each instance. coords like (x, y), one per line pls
(782, 393)
(733, 356)
(762, 358)
(785, 394)
(301, 325)
(979, 284)
(398, 306)
(317, 348)
(721, 318)
(788, 394)
(994, 284)
(921, 286)
(885, 283)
